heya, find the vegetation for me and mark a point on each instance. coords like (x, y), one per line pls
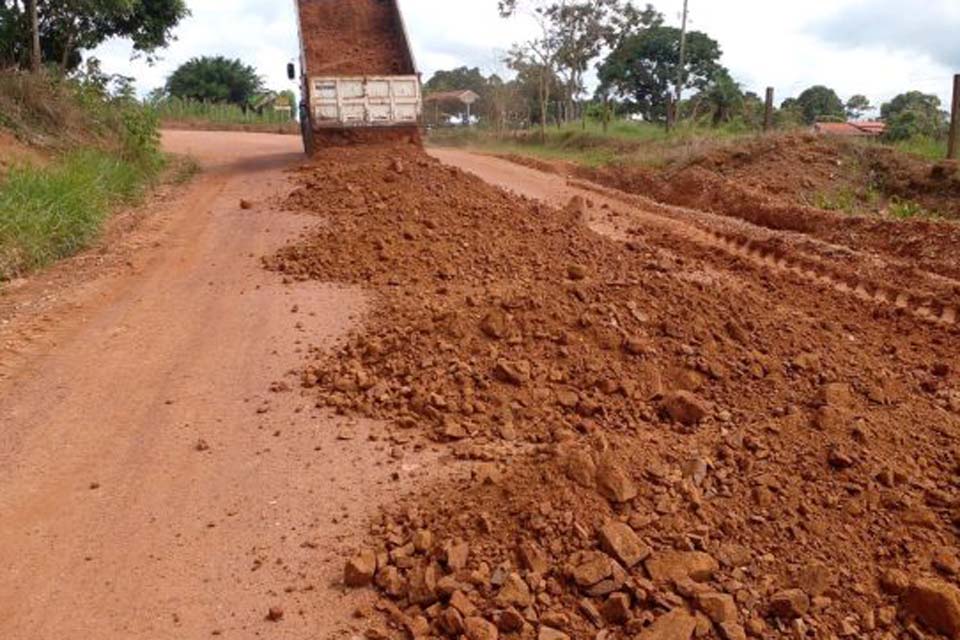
(177, 110)
(65, 28)
(645, 67)
(914, 115)
(102, 147)
(821, 103)
(215, 80)
(49, 213)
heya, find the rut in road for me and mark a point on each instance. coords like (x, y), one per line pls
(659, 435)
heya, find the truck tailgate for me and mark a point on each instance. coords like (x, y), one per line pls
(365, 101)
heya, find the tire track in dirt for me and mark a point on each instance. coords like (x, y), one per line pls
(867, 279)
(922, 305)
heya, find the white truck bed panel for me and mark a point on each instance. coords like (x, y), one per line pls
(365, 101)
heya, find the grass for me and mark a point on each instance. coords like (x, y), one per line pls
(625, 141)
(927, 148)
(193, 111)
(52, 212)
(907, 210)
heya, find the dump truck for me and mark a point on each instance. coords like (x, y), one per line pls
(358, 77)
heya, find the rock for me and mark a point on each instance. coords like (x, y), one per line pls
(894, 582)
(614, 483)
(451, 622)
(946, 562)
(533, 558)
(275, 614)
(510, 621)
(616, 610)
(683, 407)
(514, 373)
(549, 633)
(622, 543)
(577, 272)
(732, 631)
(672, 566)
(476, 628)
(494, 325)
(788, 604)
(579, 467)
(719, 607)
(675, 625)
(936, 604)
(360, 569)
(456, 554)
(814, 579)
(514, 592)
(591, 568)
(422, 587)
(840, 459)
(246, 204)
(835, 394)
(391, 582)
(422, 541)
(462, 603)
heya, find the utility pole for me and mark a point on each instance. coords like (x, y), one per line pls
(683, 51)
(35, 60)
(953, 146)
(768, 111)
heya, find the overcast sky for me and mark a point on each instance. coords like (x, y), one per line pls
(875, 47)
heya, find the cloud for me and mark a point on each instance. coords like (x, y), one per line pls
(876, 47)
(930, 28)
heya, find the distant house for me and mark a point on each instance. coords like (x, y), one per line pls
(862, 129)
(461, 100)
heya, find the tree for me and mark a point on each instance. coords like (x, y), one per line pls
(857, 106)
(580, 30)
(66, 28)
(215, 79)
(820, 102)
(724, 97)
(36, 57)
(914, 114)
(644, 67)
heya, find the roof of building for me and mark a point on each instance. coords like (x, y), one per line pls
(466, 96)
(864, 128)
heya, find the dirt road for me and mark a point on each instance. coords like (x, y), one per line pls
(150, 484)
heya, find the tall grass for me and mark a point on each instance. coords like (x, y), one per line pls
(179, 110)
(51, 212)
(925, 147)
(624, 141)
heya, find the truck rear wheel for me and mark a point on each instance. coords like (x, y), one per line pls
(306, 131)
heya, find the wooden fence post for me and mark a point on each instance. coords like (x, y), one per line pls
(768, 111)
(953, 146)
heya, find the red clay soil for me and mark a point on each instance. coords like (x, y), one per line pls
(774, 182)
(353, 37)
(663, 444)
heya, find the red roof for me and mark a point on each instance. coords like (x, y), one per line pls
(865, 128)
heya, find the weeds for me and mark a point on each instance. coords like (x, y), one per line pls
(907, 210)
(50, 213)
(175, 109)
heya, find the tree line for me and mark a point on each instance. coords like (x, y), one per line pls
(637, 59)
(35, 33)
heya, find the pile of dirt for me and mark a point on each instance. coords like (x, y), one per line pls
(353, 37)
(783, 183)
(651, 455)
